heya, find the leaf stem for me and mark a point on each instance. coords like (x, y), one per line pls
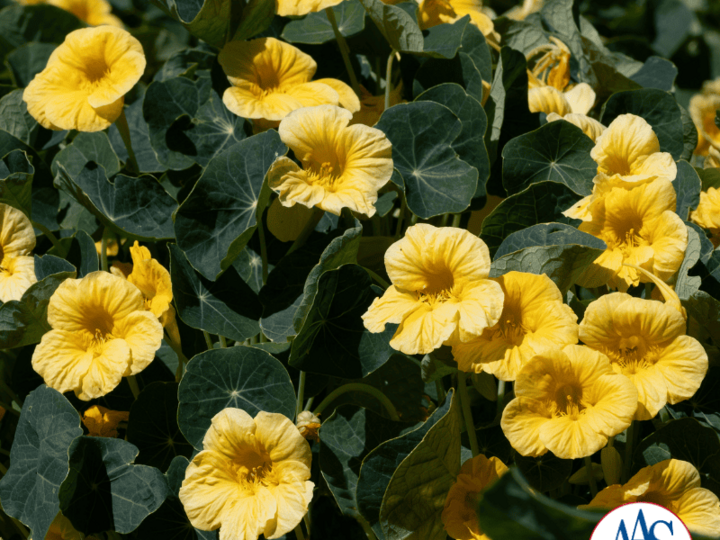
(47, 232)
(208, 340)
(103, 252)
(134, 388)
(366, 527)
(9, 408)
(500, 397)
(358, 387)
(263, 249)
(307, 230)
(648, 291)
(299, 532)
(122, 125)
(388, 78)
(627, 465)
(467, 413)
(456, 220)
(380, 281)
(401, 216)
(223, 341)
(344, 50)
(300, 394)
(591, 476)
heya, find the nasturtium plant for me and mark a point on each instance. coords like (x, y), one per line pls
(307, 269)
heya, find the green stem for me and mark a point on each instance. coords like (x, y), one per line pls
(440, 389)
(9, 408)
(413, 219)
(223, 341)
(307, 230)
(134, 388)
(467, 413)
(591, 476)
(299, 532)
(500, 397)
(444, 220)
(456, 220)
(182, 359)
(401, 216)
(21, 527)
(380, 281)
(358, 387)
(664, 415)
(344, 50)
(388, 78)
(47, 232)
(627, 465)
(263, 249)
(301, 393)
(648, 291)
(122, 125)
(208, 340)
(103, 252)
(366, 527)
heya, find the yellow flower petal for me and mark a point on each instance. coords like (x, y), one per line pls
(589, 126)
(295, 8)
(581, 98)
(102, 422)
(93, 12)
(86, 77)
(152, 279)
(348, 98)
(707, 214)
(143, 333)
(521, 422)
(547, 99)
(392, 307)
(702, 111)
(17, 274)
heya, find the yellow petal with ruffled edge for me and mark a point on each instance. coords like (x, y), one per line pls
(297, 8)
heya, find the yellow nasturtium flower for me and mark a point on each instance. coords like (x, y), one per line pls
(674, 484)
(707, 214)
(102, 422)
(712, 160)
(342, 166)
(534, 319)
(270, 78)
(17, 265)
(434, 12)
(589, 126)
(297, 8)
(100, 333)
(440, 292)
(93, 12)
(372, 107)
(459, 515)
(152, 279)
(645, 340)
(251, 478)
(569, 402)
(640, 227)
(703, 108)
(547, 99)
(85, 80)
(552, 68)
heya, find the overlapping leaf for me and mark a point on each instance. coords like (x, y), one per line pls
(315, 28)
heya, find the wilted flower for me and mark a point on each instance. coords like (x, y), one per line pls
(645, 340)
(434, 12)
(298, 8)
(460, 515)
(707, 214)
(271, 78)
(102, 422)
(674, 484)
(703, 109)
(85, 80)
(640, 227)
(440, 292)
(342, 166)
(100, 333)
(93, 12)
(251, 478)
(17, 266)
(534, 319)
(568, 401)
(552, 68)
(308, 425)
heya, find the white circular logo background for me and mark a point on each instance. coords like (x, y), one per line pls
(641, 521)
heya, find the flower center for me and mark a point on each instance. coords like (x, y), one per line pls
(511, 330)
(626, 238)
(439, 288)
(253, 471)
(568, 402)
(633, 355)
(325, 174)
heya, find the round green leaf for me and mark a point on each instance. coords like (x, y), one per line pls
(545, 472)
(316, 29)
(153, 426)
(43, 23)
(558, 152)
(436, 180)
(241, 377)
(399, 28)
(47, 427)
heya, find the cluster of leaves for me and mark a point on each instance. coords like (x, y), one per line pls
(200, 202)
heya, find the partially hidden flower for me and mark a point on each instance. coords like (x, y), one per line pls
(62, 529)
(628, 155)
(534, 319)
(112, 247)
(372, 107)
(550, 65)
(674, 484)
(528, 7)
(85, 80)
(102, 422)
(153, 280)
(440, 292)
(589, 126)
(703, 109)
(712, 160)
(459, 516)
(640, 227)
(434, 12)
(270, 78)
(93, 12)
(100, 333)
(342, 166)
(308, 425)
(569, 402)
(17, 265)
(251, 477)
(645, 341)
(707, 214)
(297, 8)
